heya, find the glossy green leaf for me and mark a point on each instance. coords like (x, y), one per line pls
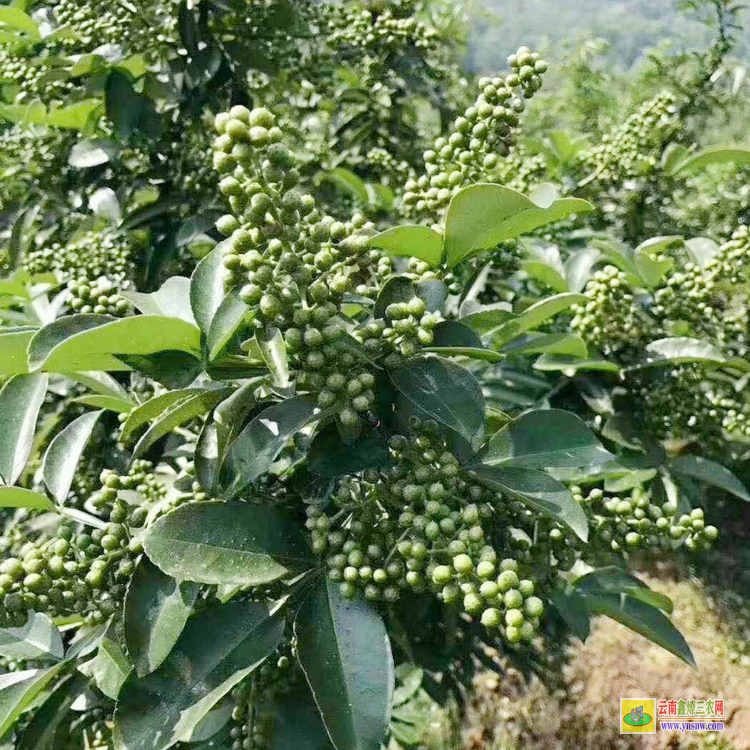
(230, 316)
(539, 491)
(485, 320)
(651, 269)
(545, 273)
(564, 363)
(155, 407)
(701, 250)
(107, 403)
(20, 400)
(579, 266)
(156, 610)
(613, 580)
(40, 732)
(18, 497)
(330, 456)
(217, 650)
(273, 348)
(642, 618)
(680, 350)
(713, 155)
(254, 450)
(227, 543)
(344, 651)
(445, 391)
(19, 689)
(486, 355)
(15, 18)
(172, 300)
(455, 333)
(110, 667)
(535, 315)
(207, 287)
(183, 411)
(63, 454)
(93, 342)
(481, 216)
(38, 639)
(411, 242)
(705, 470)
(545, 439)
(566, 344)
(13, 345)
(571, 606)
(296, 722)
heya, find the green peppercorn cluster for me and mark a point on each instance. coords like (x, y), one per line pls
(633, 148)
(421, 526)
(98, 296)
(487, 130)
(91, 256)
(96, 22)
(406, 329)
(30, 78)
(292, 265)
(708, 299)
(355, 32)
(523, 171)
(611, 320)
(624, 524)
(81, 572)
(252, 722)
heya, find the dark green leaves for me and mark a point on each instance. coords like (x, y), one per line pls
(227, 543)
(258, 445)
(64, 452)
(444, 391)
(540, 491)
(481, 216)
(329, 456)
(38, 639)
(39, 733)
(345, 654)
(182, 411)
(534, 316)
(623, 600)
(156, 610)
(19, 689)
(710, 472)
(545, 439)
(680, 350)
(93, 342)
(110, 667)
(708, 156)
(217, 649)
(411, 241)
(20, 400)
(13, 345)
(129, 111)
(207, 287)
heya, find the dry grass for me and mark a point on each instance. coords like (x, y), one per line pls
(508, 714)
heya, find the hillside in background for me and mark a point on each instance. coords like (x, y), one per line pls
(629, 26)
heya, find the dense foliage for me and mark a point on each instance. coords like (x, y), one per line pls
(323, 384)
